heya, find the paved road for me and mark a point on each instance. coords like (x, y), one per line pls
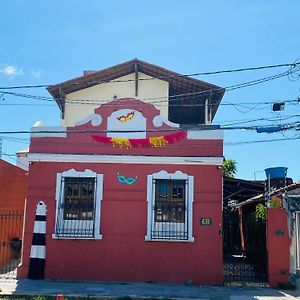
(142, 290)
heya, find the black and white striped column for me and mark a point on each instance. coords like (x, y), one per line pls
(38, 246)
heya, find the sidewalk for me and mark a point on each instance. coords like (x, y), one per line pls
(115, 290)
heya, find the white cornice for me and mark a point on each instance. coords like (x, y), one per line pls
(126, 159)
(46, 131)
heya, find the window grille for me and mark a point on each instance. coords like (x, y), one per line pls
(76, 207)
(170, 217)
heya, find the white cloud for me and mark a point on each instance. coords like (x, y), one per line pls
(11, 71)
(36, 73)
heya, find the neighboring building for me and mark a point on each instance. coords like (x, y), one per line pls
(22, 159)
(130, 196)
(13, 186)
(282, 199)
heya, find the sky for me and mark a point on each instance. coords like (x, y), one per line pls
(47, 42)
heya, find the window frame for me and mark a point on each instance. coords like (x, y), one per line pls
(60, 199)
(169, 205)
(189, 198)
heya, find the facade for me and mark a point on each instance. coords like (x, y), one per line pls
(129, 195)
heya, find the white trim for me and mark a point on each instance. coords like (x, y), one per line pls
(98, 198)
(41, 209)
(55, 237)
(189, 196)
(126, 159)
(168, 241)
(190, 202)
(38, 252)
(205, 135)
(74, 173)
(39, 227)
(165, 175)
(158, 121)
(46, 131)
(149, 206)
(95, 120)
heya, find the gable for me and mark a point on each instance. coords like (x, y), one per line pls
(83, 102)
(186, 95)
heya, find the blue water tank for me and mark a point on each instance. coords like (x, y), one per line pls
(278, 172)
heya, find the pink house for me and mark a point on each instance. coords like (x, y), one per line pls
(129, 196)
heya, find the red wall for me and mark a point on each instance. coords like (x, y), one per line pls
(13, 186)
(278, 243)
(123, 254)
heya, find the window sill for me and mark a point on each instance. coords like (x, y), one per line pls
(190, 240)
(66, 237)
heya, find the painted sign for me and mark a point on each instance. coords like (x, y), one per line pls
(206, 221)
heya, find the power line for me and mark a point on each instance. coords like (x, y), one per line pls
(283, 127)
(202, 144)
(156, 100)
(12, 158)
(260, 141)
(290, 65)
(27, 104)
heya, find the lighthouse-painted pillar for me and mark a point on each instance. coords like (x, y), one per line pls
(38, 246)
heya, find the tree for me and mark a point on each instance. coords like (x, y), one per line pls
(229, 168)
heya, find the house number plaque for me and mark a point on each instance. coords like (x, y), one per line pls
(206, 221)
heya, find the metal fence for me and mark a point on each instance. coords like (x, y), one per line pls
(11, 227)
(245, 255)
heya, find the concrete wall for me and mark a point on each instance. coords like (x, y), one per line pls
(278, 243)
(123, 254)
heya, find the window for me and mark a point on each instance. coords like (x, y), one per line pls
(169, 201)
(79, 194)
(78, 198)
(170, 198)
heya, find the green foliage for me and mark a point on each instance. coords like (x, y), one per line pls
(260, 212)
(229, 168)
(275, 202)
(25, 297)
(40, 298)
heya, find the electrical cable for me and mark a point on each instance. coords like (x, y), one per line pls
(290, 65)
(284, 127)
(228, 88)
